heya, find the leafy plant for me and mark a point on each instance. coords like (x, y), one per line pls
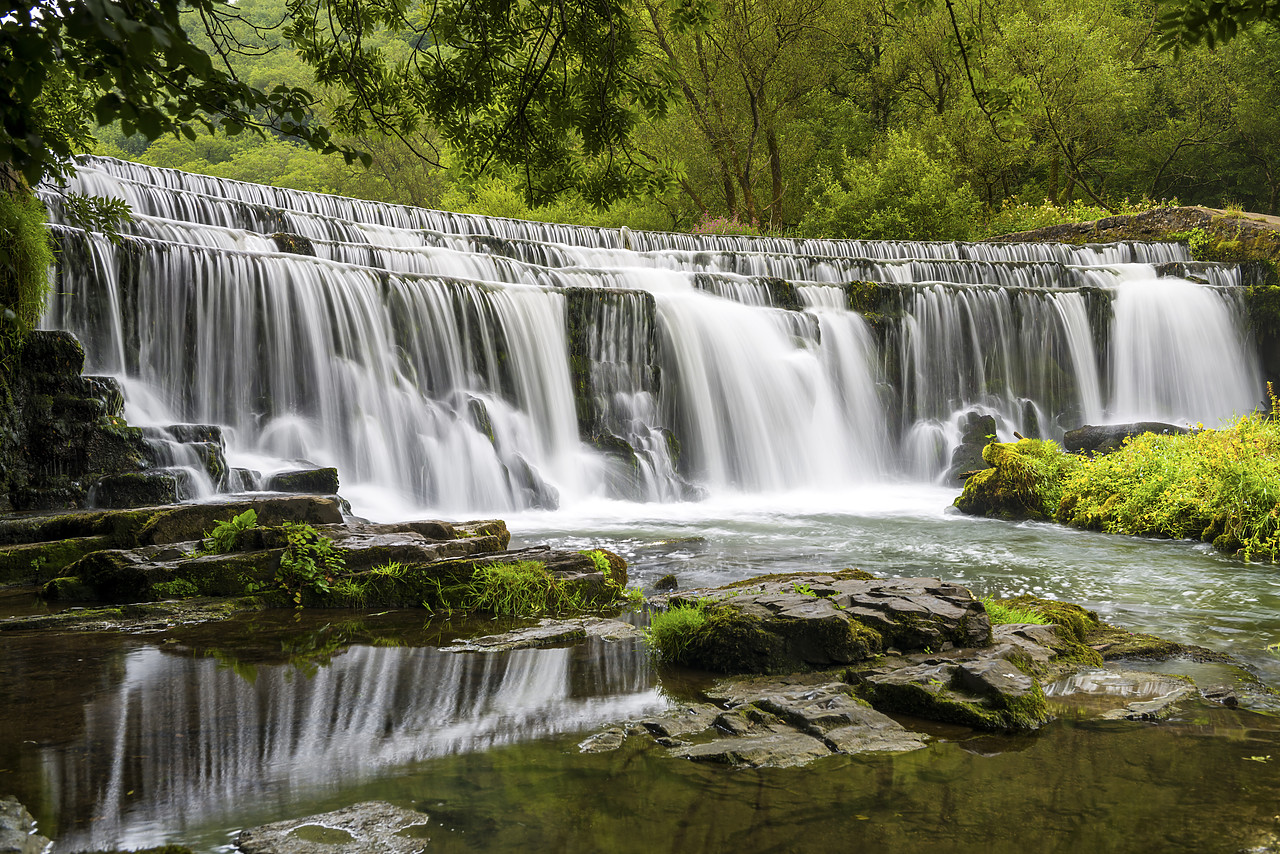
(310, 562)
(803, 589)
(226, 535)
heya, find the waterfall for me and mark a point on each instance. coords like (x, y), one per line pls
(469, 363)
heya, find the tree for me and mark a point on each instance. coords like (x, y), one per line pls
(548, 85)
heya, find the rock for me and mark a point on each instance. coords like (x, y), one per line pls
(1120, 694)
(1103, 439)
(666, 583)
(777, 750)
(980, 689)
(979, 431)
(308, 481)
(549, 633)
(783, 721)
(603, 742)
(18, 830)
(375, 827)
(136, 489)
(38, 562)
(816, 621)
(1024, 481)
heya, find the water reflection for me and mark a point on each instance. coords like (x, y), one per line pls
(179, 740)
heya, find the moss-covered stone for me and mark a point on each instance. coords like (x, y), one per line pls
(315, 481)
(38, 562)
(1024, 481)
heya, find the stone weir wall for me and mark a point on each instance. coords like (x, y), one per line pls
(64, 444)
(1251, 240)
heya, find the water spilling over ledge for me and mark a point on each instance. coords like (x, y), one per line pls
(469, 363)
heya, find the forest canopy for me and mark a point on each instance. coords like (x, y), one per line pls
(840, 117)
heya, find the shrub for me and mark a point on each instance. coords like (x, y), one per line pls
(1025, 481)
(1220, 486)
(26, 254)
(900, 193)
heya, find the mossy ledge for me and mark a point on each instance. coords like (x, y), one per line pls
(298, 551)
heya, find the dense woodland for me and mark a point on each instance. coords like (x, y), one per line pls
(830, 117)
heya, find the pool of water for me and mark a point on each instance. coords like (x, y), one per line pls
(189, 734)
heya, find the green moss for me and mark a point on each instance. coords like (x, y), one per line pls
(937, 701)
(1025, 481)
(179, 588)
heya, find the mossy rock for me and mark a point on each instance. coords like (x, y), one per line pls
(37, 562)
(1024, 481)
(316, 481)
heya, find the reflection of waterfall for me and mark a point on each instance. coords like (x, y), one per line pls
(473, 363)
(186, 740)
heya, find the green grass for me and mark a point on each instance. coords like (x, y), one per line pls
(519, 589)
(1002, 614)
(671, 632)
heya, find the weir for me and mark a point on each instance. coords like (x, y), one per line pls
(469, 363)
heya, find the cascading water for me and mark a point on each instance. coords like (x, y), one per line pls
(467, 363)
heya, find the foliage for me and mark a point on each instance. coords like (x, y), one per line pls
(1001, 613)
(723, 225)
(671, 633)
(25, 256)
(179, 588)
(226, 536)
(617, 585)
(131, 61)
(1015, 216)
(519, 589)
(904, 193)
(310, 562)
(1188, 22)
(1025, 480)
(1221, 486)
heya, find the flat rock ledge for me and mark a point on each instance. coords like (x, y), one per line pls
(140, 558)
(374, 827)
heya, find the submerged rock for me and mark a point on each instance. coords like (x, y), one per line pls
(375, 827)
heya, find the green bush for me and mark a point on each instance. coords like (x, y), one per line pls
(1025, 481)
(1220, 486)
(901, 193)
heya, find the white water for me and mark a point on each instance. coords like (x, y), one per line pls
(473, 364)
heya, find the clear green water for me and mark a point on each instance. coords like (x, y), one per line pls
(189, 734)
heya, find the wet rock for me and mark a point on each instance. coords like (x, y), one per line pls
(1222, 696)
(1121, 694)
(603, 742)
(550, 633)
(18, 830)
(1022, 483)
(136, 489)
(666, 583)
(777, 750)
(784, 721)
(307, 481)
(192, 434)
(1103, 439)
(982, 689)
(817, 621)
(978, 431)
(38, 562)
(375, 827)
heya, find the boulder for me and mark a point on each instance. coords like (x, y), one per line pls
(815, 621)
(18, 830)
(136, 489)
(306, 481)
(978, 431)
(1105, 438)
